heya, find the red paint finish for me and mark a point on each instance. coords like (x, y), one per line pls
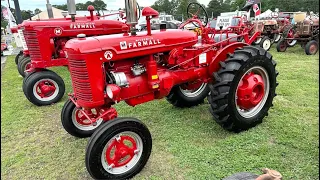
(118, 153)
(46, 38)
(45, 89)
(169, 58)
(250, 91)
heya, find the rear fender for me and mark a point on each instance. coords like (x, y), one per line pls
(222, 55)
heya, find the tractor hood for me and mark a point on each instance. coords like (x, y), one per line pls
(119, 46)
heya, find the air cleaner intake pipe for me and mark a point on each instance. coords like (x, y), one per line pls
(72, 9)
(132, 15)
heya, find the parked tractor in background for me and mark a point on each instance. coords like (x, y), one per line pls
(45, 48)
(305, 32)
(239, 81)
(272, 28)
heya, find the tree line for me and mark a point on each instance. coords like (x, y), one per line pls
(178, 8)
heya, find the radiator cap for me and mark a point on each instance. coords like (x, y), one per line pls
(81, 36)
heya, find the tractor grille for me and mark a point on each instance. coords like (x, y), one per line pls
(80, 80)
(33, 44)
(24, 44)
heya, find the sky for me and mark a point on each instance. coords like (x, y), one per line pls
(111, 4)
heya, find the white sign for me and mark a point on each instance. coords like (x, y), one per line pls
(203, 58)
(225, 22)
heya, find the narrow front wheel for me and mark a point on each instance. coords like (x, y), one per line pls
(119, 149)
(76, 123)
(24, 64)
(44, 88)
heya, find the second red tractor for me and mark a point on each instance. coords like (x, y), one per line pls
(45, 42)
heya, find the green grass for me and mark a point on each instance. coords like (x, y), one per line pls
(187, 143)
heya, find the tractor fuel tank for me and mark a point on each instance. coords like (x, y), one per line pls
(119, 46)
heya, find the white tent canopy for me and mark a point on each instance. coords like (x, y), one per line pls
(265, 14)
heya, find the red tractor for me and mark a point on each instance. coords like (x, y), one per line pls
(239, 81)
(46, 48)
(305, 32)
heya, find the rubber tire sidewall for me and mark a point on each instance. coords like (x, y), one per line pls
(36, 76)
(22, 64)
(262, 41)
(308, 45)
(185, 101)
(107, 131)
(68, 125)
(232, 92)
(16, 59)
(279, 44)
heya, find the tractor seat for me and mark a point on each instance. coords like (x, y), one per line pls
(221, 37)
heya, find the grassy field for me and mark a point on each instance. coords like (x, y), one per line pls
(187, 143)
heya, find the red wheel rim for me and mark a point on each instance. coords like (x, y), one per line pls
(122, 152)
(313, 49)
(119, 153)
(81, 122)
(82, 119)
(252, 92)
(28, 66)
(45, 88)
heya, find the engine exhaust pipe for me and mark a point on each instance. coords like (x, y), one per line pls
(72, 9)
(132, 14)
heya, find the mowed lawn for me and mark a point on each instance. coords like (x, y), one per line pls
(187, 143)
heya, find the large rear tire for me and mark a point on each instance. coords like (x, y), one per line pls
(24, 64)
(119, 149)
(44, 88)
(75, 123)
(181, 97)
(244, 89)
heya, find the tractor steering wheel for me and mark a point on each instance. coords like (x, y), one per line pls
(193, 12)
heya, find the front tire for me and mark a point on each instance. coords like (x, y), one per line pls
(44, 88)
(181, 96)
(276, 38)
(24, 64)
(282, 46)
(75, 123)
(312, 47)
(119, 149)
(18, 57)
(266, 43)
(244, 89)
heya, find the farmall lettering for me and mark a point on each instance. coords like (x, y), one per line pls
(139, 43)
(82, 26)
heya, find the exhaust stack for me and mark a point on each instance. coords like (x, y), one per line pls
(132, 14)
(72, 9)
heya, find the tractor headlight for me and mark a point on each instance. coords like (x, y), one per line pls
(113, 92)
(109, 92)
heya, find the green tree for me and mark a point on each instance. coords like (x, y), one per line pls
(4, 22)
(37, 11)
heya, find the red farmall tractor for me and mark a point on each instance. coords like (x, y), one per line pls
(305, 31)
(239, 81)
(45, 42)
